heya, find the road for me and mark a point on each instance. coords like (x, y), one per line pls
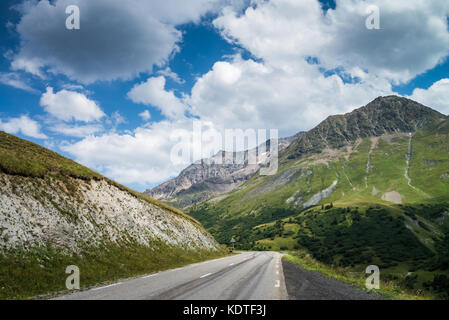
(246, 276)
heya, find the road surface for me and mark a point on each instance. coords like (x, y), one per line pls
(246, 276)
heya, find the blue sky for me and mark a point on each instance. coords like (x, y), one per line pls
(280, 64)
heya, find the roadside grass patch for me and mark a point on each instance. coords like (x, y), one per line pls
(41, 270)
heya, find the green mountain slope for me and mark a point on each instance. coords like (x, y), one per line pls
(382, 171)
(55, 213)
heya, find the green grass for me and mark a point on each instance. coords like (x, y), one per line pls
(38, 271)
(277, 244)
(24, 158)
(429, 162)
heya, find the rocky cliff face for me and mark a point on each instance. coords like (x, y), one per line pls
(74, 214)
(213, 176)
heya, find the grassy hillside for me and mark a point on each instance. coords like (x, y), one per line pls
(39, 187)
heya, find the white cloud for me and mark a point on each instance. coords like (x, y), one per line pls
(437, 96)
(80, 131)
(413, 37)
(152, 92)
(142, 156)
(13, 80)
(70, 105)
(146, 156)
(115, 40)
(145, 115)
(257, 95)
(24, 125)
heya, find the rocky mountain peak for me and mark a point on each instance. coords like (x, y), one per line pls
(383, 115)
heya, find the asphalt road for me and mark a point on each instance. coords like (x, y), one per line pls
(246, 276)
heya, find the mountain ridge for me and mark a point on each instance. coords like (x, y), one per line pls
(213, 176)
(383, 115)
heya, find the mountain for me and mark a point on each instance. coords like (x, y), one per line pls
(211, 177)
(55, 213)
(384, 115)
(367, 187)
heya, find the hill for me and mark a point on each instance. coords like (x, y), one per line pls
(55, 213)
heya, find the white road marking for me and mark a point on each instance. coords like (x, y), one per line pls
(277, 271)
(111, 285)
(151, 275)
(278, 284)
(232, 264)
(206, 275)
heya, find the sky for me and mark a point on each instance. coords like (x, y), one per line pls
(120, 93)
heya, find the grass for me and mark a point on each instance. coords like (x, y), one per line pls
(388, 289)
(41, 270)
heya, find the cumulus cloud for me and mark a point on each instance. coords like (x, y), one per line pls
(413, 37)
(152, 92)
(146, 156)
(437, 96)
(70, 105)
(23, 125)
(116, 40)
(249, 94)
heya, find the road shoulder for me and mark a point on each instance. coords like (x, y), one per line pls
(311, 285)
